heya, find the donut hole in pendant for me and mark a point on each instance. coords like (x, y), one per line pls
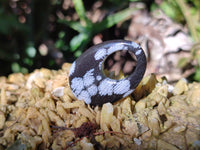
(119, 64)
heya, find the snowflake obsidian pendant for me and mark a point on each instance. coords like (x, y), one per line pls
(88, 81)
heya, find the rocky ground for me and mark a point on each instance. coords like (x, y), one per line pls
(38, 111)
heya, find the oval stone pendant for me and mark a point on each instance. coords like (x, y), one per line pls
(88, 81)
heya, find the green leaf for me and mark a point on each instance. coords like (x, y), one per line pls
(197, 75)
(78, 53)
(168, 8)
(77, 41)
(79, 7)
(73, 24)
(59, 44)
(28, 61)
(87, 31)
(61, 34)
(190, 19)
(113, 19)
(198, 59)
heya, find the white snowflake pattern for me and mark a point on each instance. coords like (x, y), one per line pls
(106, 87)
(122, 87)
(88, 78)
(98, 78)
(100, 54)
(77, 85)
(138, 52)
(85, 96)
(128, 93)
(135, 45)
(92, 90)
(115, 48)
(100, 65)
(84, 87)
(125, 48)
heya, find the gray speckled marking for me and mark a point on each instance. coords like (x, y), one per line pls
(138, 52)
(114, 48)
(100, 54)
(92, 90)
(106, 87)
(88, 82)
(118, 87)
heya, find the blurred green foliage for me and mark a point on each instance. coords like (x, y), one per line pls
(17, 46)
(26, 25)
(187, 12)
(11, 34)
(192, 62)
(32, 35)
(87, 29)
